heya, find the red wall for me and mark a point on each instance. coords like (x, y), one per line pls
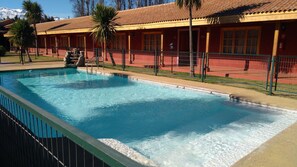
(287, 43)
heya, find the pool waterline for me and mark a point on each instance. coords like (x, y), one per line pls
(159, 140)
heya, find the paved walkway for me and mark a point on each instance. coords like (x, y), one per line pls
(278, 151)
(34, 65)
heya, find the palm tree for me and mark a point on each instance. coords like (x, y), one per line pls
(190, 4)
(34, 15)
(22, 37)
(104, 29)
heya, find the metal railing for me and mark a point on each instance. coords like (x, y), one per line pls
(44, 140)
(251, 71)
(95, 60)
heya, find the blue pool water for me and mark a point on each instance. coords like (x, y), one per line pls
(171, 126)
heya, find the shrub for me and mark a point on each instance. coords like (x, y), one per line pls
(2, 51)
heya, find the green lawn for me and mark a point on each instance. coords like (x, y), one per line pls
(284, 90)
(12, 57)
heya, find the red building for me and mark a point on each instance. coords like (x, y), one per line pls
(254, 27)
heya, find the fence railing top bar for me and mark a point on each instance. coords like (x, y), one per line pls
(236, 54)
(287, 56)
(90, 144)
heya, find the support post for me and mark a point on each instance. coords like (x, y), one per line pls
(57, 45)
(177, 47)
(85, 45)
(156, 65)
(129, 48)
(123, 59)
(45, 45)
(162, 46)
(207, 48)
(69, 44)
(274, 54)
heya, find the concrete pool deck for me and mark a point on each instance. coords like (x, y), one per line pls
(281, 150)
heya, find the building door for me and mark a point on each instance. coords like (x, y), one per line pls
(184, 51)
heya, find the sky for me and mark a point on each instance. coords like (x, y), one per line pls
(59, 8)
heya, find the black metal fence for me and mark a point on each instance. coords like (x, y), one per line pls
(241, 70)
(31, 137)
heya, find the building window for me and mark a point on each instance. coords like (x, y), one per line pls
(240, 41)
(119, 42)
(80, 42)
(63, 42)
(151, 42)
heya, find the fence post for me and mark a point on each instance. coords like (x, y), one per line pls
(156, 62)
(123, 59)
(97, 56)
(271, 75)
(171, 63)
(277, 64)
(202, 66)
(268, 71)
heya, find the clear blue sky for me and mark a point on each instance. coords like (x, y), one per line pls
(60, 8)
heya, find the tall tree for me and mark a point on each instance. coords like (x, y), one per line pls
(34, 15)
(189, 4)
(118, 4)
(22, 37)
(84, 7)
(130, 4)
(104, 29)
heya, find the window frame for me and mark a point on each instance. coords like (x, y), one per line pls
(155, 41)
(245, 29)
(123, 40)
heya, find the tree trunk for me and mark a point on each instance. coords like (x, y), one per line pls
(87, 7)
(102, 50)
(82, 8)
(36, 41)
(191, 43)
(29, 58)
(21, 56)
(92, 5)
(129, 4)
(118, 4)
(105, 52)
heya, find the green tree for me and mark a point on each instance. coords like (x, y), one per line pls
(2, 51)
(22, 37)
(104, 29)
(34, 16)
(190, 4)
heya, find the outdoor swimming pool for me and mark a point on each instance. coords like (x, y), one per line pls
(171, 126)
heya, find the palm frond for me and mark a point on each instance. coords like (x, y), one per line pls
(104, 18)
(188, 3)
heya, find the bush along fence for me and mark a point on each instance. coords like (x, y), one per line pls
(32, 137)
(265, 73)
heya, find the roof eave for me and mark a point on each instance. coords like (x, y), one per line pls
(72, 31)
(258, 17)
(247, 18)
